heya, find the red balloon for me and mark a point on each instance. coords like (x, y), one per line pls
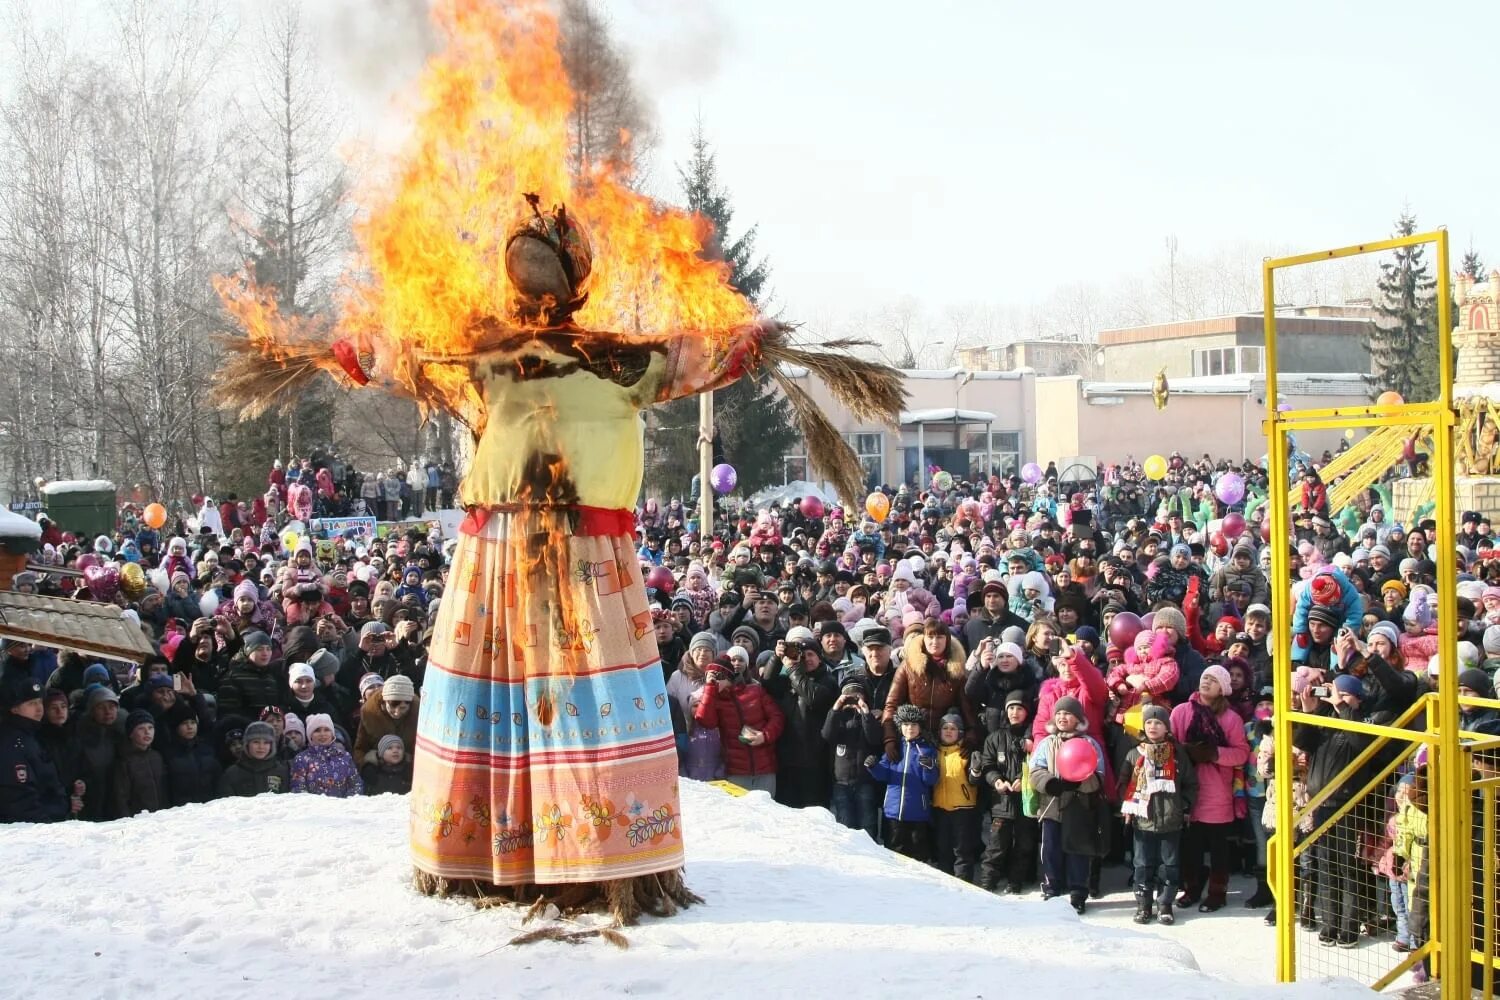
(1265, 530)
(1234, 524)
(1123, 628)
(1218, 543)
(1077, 759)
(660, 578)
(812, 507)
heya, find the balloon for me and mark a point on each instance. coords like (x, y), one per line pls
(160, 580)
(1284, 408)
(660, 578)
(723, 477)
(1148, 621)
(88, 559)
(1230, 488)
(811, 507)
(1234, 524)
(1219, 543)
(209, 603)
(1031, 473)
(155, 515)
(878, 505)
(289, 539)
(1123, 628)
(1389, 398)
(1155, 467)
(942, 481)
(1349, 434)
(133, 580)
(1265, 530)
(103, 581)
(1077, 759)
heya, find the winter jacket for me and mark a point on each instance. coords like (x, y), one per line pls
(1006, 757)
(731, 711)
(192, 771)
(1417, 650)
(1166, 811)
(955, 788)
(98, 746)
(374, 724)
(1086, 684)
(1044, 769)
(908, 781)
(1350, 607)
(805, 699)
(30, 789)
(853, 735)
(987, 689)
(255, 777)
(1190, 667)
(140, 782)
(936, 688)
(1253, 578)
(1159, 670)
(248, 689)
(1410, 841)
(326, 770)
(1215, 801)
(383, 778)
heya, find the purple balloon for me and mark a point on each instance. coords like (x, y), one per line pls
(1284, 408)
(1148, 620)
(1231, 488)
(723, 477)
(1031, 473)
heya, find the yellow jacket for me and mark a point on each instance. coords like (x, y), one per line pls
(954, 789)
(1411, 836)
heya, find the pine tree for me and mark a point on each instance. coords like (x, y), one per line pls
(753, 426)
(1402, 340)
(1472, 265)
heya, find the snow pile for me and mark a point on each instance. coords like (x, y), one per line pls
(77, 486)
(13, 525)
(297, 895)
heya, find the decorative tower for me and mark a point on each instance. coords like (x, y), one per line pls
(1476, 394)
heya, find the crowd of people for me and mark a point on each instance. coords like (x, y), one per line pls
(1015, 683)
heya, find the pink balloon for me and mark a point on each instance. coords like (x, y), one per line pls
(1148, 620)
(1234, 524)
(103, 581)
(812, 507)
(1077, 759)
(660, 578)
(88, 559)
(1123, 628)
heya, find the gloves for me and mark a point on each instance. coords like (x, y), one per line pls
(1067, 786)
(1202, 753)
(1053, 786)
(870, 760)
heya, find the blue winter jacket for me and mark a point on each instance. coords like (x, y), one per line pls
(1351, 606)
(909, 782)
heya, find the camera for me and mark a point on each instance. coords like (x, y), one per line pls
(1054, 646)
(1322, 691)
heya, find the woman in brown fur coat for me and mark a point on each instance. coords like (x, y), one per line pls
(931, 678)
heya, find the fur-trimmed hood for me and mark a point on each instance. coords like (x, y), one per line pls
(917, 659)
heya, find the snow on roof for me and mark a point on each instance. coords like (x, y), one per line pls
(13, 525)
(1296, 384)
(77, 486)
(946, 415)
(959, 372)
(355, 862)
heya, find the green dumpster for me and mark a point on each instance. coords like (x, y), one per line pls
(86, 507)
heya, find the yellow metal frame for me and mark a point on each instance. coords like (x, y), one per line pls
(1447, 767)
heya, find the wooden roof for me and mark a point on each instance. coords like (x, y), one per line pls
(85, 626)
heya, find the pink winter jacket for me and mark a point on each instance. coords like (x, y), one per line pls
(898, 602)
(1088, 686)
(1216, 777)
(1418, 649)
(1159, 669)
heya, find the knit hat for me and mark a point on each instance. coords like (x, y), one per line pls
(1475, 680)
(1419, 609)
(246, 588)
(1181, 550)
(300, 671)
(1393, 636)
(260, 731)
(255, 639)
(1409, 565)
(1328, 616)
(1380, 550)
(1325, 590)
(704, 640)
(1468, 655)
(1069, 704)
(387, 741)
(368, 683)
(98, 695)
(1492, 640)
(908, 714)
(97, 673)
(953, 719)
(316, 721)
(1156, 712)
(1170, 617)
(1086, 633)
(1013, 634)
(140, 717)
(800, 635)
(1010, 649)
(1395, 585)
(1349, 684)
(397, 687)
(852, 685)
(1220, 675)
(1016, 697)
(180, 712)
(293, 724)
(1257, 609)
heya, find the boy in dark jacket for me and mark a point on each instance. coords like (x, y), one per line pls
(258, 770)
(908, 786)
(192, 765)
(140, 779)
(1068, 809)
(1004, 770)
(854, 732)
(393, 771)
(1158, 786)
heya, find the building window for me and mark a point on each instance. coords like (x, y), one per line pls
(794, 464)
(1252, 360)
(871, 451)
(1005, 459)
(1229, 361)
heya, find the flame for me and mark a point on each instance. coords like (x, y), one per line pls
(492, 126)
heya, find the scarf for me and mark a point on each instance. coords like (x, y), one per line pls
(1204, 727)
(1155, 771)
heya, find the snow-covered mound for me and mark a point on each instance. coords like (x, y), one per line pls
(295, 895)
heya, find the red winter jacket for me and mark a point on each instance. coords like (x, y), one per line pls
(729, 712)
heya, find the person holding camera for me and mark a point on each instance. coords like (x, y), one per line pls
(803, 686)
(852, 730)
(749, 723)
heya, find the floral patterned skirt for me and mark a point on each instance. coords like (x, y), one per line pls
(545, 751)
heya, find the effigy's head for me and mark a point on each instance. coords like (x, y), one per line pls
(548, 259)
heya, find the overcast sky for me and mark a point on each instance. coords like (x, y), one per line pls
(960, 152)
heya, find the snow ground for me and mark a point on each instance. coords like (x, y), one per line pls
(305, 896)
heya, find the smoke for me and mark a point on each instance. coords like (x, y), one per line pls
(674, 44)
(375, 48)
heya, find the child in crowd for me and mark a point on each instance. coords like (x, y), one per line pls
(909, 783)
(325, 767)
(140, 774)
(853, 731)
(1005, 772)
(390, 774)
(1072, 832)
(1408, 830)
(293, 738)
(955, 830)
(1157, 787)
(258, 770)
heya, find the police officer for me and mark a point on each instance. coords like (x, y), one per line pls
(30, 790)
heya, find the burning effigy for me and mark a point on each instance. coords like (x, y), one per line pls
(544, 311)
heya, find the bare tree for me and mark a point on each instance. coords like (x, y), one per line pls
(611, 124)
